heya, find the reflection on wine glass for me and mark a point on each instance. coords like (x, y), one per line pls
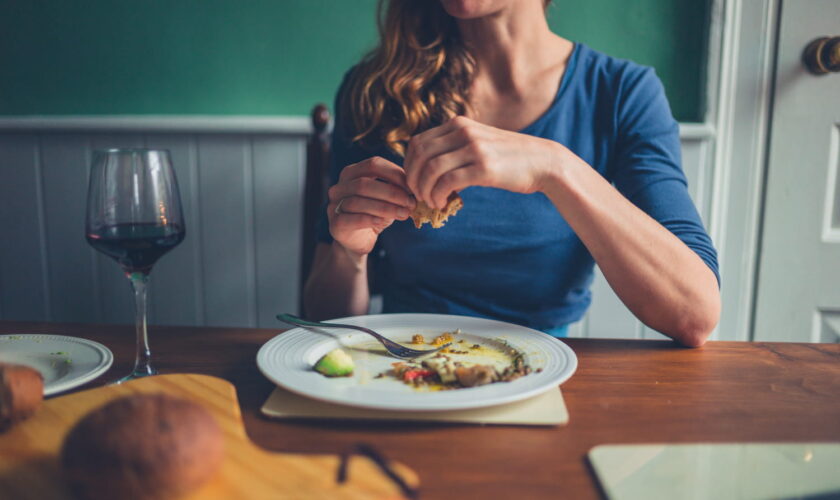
(134, 216)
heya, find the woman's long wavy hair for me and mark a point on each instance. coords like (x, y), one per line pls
(419, 75)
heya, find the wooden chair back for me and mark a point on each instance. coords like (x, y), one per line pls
(315, 188)
(316, 184)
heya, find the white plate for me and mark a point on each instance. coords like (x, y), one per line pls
(287, 360)
(65, 362)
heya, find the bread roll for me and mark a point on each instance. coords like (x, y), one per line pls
(142, 446)
(21, 393)
(423, 213)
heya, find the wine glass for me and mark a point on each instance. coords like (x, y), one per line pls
(134, 216)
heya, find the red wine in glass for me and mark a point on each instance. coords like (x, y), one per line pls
(136, 247)
(134, 216)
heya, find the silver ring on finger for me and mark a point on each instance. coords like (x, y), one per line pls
(338, 210)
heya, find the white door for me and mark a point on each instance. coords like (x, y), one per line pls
(798, 295)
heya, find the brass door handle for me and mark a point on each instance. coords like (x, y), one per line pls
(822, 55)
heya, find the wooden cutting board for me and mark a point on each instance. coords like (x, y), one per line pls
(29, 466)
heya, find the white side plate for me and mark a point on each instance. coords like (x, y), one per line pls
(65, 362)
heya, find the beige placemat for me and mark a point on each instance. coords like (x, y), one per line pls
(546, 409)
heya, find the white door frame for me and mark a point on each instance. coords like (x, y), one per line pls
(741, 65)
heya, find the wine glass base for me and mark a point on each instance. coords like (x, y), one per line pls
(136, 374)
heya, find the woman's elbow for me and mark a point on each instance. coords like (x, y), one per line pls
(694, 329)
(693, 338)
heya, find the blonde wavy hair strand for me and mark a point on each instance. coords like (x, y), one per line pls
(418, 76)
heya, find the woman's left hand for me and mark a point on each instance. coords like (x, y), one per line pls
(463, 153)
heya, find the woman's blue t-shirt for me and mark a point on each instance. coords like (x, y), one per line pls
(513, 257)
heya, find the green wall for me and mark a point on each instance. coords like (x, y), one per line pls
(274, 57)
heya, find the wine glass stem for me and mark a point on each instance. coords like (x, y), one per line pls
(143, 361)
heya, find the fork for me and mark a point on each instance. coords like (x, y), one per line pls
(393, 348)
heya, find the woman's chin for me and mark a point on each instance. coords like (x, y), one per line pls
(472, 9)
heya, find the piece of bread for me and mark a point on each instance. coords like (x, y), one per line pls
(21, 393)
(142, 446)
(423, 213)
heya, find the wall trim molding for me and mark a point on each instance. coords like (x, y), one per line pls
(290, 125)
(697, 131)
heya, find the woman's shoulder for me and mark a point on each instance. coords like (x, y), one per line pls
(620, 81)
(341, 103)
(343, 89)
(600, 64)
(345, 128)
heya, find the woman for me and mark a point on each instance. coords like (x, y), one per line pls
(563, 157)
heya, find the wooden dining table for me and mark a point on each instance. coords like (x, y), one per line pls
(624, 391)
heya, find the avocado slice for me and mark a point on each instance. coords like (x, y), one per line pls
(335, 363)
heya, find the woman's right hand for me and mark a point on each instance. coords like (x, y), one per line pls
(368, 197)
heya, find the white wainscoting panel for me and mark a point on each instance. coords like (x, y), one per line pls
(242, 197)
(22, 262)
(238, 265)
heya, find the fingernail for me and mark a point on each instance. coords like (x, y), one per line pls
(402, 213)
(379, 220)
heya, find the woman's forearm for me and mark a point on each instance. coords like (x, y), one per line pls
(337, 285)
(660, 279)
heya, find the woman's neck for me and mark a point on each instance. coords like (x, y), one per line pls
(511, 45)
